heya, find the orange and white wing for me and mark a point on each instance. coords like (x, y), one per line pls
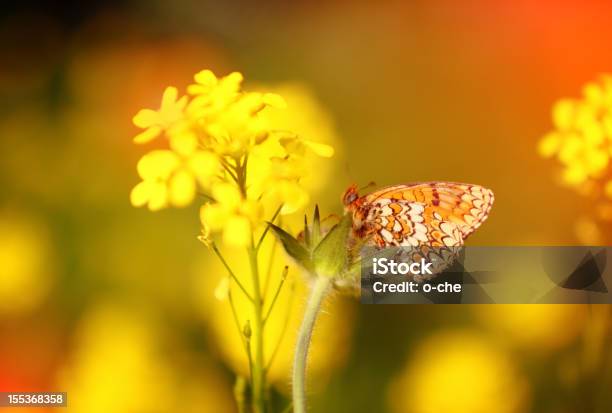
(401, 223)
(464, 205)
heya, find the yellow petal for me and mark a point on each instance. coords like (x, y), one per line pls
(205, 166)
(571, 147)
(214, 216)
(274, 100)
(169, 97)
(292, 196)
(320, 149)
(145, 118)
(222, 289)
(563, 114)
(593, 93)
(158, 198)
(593, 133)
(205, 78)
(197, 89)
(574, 175)
(549, 145)
(596, 161)
(157, 165)
(181, 188)
(237, 231)
(140, 194)
(234, 79)
(148, 135)
(184, 143)
(607, 125)
(252, 210)
(227, 194)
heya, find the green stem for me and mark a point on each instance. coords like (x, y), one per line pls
(278, 290)
(229, 271)
(313, 305)
(267, 228)
(240, 391)
(259, 378)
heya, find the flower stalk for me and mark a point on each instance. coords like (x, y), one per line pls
(259, 377)
(326, 258)
(318, 292)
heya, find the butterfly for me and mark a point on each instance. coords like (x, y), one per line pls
(433, 214)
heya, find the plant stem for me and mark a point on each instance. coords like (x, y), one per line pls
(313, 305)
(230, 272)
(259, 374)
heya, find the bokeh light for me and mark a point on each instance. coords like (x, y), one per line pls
(459, 371)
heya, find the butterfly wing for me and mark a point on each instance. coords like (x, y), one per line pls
(465, 205)
(433, 219)
(401, 223)
(416, 228)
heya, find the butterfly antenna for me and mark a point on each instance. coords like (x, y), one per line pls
(370, 185)
(347, 171)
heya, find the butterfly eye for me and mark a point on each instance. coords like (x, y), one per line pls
(350, 197)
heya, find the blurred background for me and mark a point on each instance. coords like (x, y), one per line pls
(113, 304)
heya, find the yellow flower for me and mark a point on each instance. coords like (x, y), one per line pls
(213, 94)
(231, 214)
(219, 125)
(282, 186)
(582, 143)
(539, 327)
(170, 112)
(582, 139)
(235, 130)
(299, 145)
(171, 179)
(26, 274)
(458, 372)
(305, 120)
(118, 356)
(280, 164)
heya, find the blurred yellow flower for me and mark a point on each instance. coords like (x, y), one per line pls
(213, 94)
(231, 214)
(588, 232)
(459, 372)
(115, 363)
(169, 178)
(155, 122)
(582, 144)
(119, 357)
(582, 139)
(538, 327)
(306, 120)
(25, 262)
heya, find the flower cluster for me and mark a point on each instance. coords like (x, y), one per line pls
(215, 134)
(582, 139)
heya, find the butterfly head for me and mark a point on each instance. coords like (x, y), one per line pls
(350, 197)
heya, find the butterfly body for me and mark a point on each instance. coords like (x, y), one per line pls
(433, 214)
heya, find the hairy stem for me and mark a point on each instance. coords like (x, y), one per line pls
(259, 374)
(313, 305)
